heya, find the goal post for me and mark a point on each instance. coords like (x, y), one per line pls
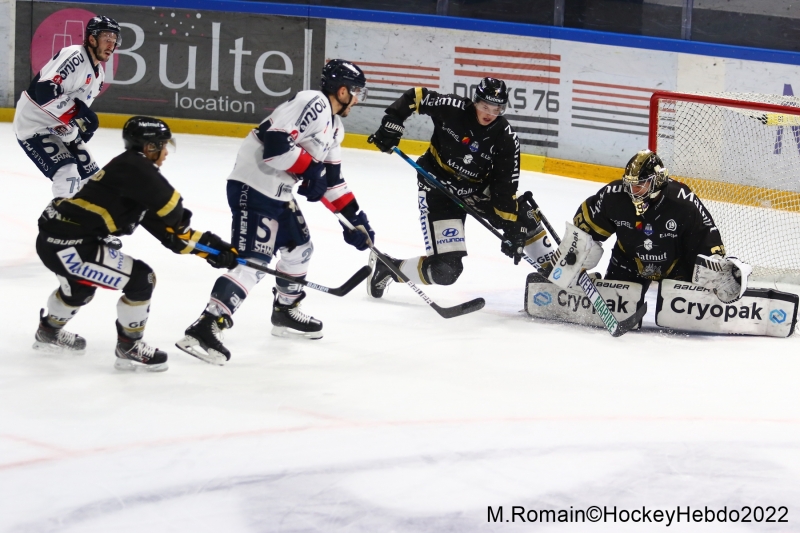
(740, 154)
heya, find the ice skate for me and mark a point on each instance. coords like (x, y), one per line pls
(204, 339)
(57, 340)
(381, 276)
(134, 355)
(288, 319)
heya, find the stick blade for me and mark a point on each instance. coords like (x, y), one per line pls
(631, 322)
(460, 309)
(354, 281)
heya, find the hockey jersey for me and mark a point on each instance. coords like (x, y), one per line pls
(300, 131)
(469, 156)
(48, 105)
(661, 243)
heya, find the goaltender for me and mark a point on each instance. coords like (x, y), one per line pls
(663, 232)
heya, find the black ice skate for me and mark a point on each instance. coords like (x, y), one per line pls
(204, 339)
(134, 355)
(57, 340)
(381, 276)
(289, 319)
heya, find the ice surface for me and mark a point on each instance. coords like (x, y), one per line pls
(397, 420)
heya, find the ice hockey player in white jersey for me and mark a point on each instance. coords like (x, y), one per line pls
(299, 143)
(53, 120)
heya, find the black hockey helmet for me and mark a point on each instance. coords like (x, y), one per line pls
(102, 23)
(644, 178)
(494, 94)
(140, 131)
(341, 73)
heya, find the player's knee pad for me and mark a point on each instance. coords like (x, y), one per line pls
(74, 294)
(141, 283)
(538, 246)
(132, 315)
(231, 289)
(443, 269)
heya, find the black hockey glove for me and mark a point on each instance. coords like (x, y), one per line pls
(388, 135)
(356, 237)
(86, 120)
(514, 242)
(315, 182)
(227, 256)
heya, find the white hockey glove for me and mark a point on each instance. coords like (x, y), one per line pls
(725, 276)
(577, 252)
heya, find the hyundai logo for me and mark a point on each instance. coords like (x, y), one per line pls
(450, 232)
(778, 316)
(542, 298)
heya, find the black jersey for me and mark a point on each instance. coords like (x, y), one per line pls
(127, 192)
(469, 156)
(661, 243)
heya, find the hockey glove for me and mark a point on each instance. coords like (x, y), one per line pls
(315, 182)
(357, 237)
(726, 276)
(85, 119)
(514, 243)
(227, 256)
(388, 135)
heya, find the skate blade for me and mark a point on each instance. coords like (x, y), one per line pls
(373, 262)
(192, 347)
(282, 331)
(126, 365)
(53, 349)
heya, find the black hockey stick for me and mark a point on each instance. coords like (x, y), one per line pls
(444, 312)
(613, 326)
(348, 285)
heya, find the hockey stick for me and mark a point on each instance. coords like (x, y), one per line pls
(444, 312)
(348, 285)
(613, 326)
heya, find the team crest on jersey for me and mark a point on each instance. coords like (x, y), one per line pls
(467, 159)
(648, 244)
(671, 225)
(57, 79)
(648, 229)
(474, 146)
(88, 79)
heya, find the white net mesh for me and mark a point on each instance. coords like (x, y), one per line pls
(744, 164)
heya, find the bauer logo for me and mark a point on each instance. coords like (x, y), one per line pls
(778, 316)
(542, 298)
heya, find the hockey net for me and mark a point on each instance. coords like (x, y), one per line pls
(740, 154)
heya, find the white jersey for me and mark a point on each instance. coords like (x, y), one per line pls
(73, 70)
(309, 120)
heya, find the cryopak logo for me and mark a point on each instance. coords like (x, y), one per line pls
(542, 299)
(778, 316)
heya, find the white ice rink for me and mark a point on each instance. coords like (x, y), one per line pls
(397, 420)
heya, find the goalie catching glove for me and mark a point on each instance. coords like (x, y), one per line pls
(725, 276)
(577, 252)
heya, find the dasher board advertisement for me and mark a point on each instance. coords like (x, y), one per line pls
(182, 63)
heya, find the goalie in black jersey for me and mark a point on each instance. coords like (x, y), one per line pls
(129, 191)
(475, 152)
(663, 232)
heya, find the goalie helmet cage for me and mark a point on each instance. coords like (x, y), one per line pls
(740, 154)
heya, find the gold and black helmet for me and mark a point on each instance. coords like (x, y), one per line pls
(644, 178)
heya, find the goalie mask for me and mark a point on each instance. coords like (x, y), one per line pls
(644, 178)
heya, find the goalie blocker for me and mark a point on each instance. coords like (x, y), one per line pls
(681, 305)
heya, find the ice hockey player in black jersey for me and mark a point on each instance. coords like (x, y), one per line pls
(663, 232)
(475, 152)
(54, 120)
(299, 143)
(129, 191)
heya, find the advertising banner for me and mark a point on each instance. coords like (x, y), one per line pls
(182, 63)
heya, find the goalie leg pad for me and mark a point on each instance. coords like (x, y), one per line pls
(578, 251)
(689, 307)
(539, 247)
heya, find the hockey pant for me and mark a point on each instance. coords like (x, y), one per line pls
(66, 165)
(261, 226)
(442, 224)
(82, 265)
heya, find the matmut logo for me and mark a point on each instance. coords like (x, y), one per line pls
(96, 274)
